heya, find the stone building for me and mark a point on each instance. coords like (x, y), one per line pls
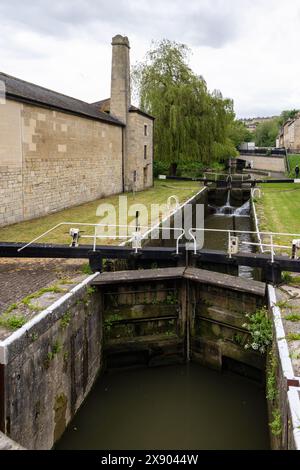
(57, 151)
(252, 123)
(289, 135)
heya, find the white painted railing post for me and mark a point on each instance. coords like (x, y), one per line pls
(229, 243)
(95, 239)
(272, 250)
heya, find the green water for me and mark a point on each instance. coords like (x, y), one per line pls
(173, 407)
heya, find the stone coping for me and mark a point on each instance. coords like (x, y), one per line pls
(286, 363)
(194, 274)
(14, 344)
(8, 444)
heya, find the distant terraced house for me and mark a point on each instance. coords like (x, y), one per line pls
(57, 151)
(289, 135)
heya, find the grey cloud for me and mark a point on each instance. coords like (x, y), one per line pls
(200, 22)
(12, 47)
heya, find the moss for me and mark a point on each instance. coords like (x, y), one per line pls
(293, 336)
(66, 281)
(11, 308)
(60, 408)
(12, 322)
(110, 320)
(55, 349)
(275, 424)
(171, 299)
(271, 385)
(34, 336)
(66, 356)
(286, 277)
(295, 355)
(27, 300)
(86, 269)
(282, 304)
(293, 317)
(90, 290)
(65, 320)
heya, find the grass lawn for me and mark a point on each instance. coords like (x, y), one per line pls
(26, 231)
(279, 209)
(293, 161)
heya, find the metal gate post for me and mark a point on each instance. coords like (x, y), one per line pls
(272, 273)
(95, 261)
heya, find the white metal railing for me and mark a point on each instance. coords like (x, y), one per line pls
(231, 233)
(95, 236)
(169, 202)
(135, 237)
(254, 190)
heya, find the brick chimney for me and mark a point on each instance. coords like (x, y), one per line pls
(120, 78)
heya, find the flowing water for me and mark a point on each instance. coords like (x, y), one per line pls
(172, 407)
(233, 218)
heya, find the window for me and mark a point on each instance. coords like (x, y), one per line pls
(145, 175)
(145, 152)
(134, 176)
(145, 130)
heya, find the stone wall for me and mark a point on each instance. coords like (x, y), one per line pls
(49, 366)
(291, 135)
(272, 163)
(51, 160)
(284, 402)
(11, 161)
(136, 153)
(296, 143)
(150, 317)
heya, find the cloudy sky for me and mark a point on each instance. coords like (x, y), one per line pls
(249, 49)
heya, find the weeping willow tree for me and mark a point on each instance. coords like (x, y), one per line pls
(191, 123)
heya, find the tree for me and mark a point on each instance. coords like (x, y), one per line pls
(191, 123)
(287, 114)
(239, 133)
(266, 133)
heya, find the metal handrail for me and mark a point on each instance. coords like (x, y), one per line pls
(131, 237)
(254, 190)
(176, 199)
(168, 228)
(83, 236)
(229, 232)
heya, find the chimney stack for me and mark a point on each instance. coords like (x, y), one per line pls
(120, 98)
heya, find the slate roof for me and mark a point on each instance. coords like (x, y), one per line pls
(104, 105)
(20, 90)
